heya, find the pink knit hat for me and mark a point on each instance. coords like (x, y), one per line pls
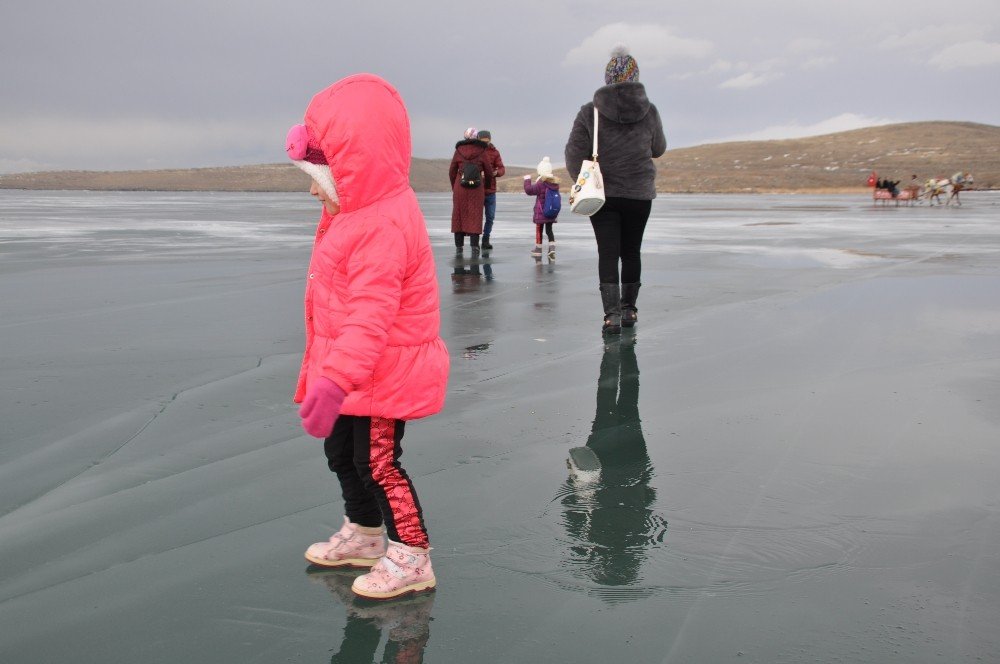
(305, 152)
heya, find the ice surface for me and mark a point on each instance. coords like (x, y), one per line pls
(797, 446)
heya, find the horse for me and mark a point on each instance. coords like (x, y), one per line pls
(960, 181)
(934, 187)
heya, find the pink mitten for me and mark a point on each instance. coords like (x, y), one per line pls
(321, 407)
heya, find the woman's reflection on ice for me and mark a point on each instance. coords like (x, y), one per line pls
(405, 622)
(468, 275)
(607, 504)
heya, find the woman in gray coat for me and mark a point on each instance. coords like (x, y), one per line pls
(630, 136)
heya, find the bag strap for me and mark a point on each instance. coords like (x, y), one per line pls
(595, 133)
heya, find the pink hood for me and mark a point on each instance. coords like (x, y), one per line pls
(362, 127)
(372, 309)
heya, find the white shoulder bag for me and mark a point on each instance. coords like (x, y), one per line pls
(586, 196)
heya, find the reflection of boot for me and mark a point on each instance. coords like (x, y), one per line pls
(611, 298)
(361, 637)
(407, 621)
(630, 293)
(403, 569)
(337, 580)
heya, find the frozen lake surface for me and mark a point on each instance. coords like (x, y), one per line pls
(794, 457)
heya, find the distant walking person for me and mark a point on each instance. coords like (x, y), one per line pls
(470, 174)
(547, 204)
(490, 204)
(630, 136)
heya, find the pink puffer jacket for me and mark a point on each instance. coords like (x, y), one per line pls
(371, 304)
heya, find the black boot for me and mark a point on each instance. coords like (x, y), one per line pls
(630, 292)
(486, 243)
(611, 298)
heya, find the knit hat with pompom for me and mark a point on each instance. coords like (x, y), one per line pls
(544, 170)
(622, 68)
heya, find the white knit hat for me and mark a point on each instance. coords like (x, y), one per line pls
(544, 168)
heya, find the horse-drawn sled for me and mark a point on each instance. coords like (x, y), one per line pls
(908, 196)
(887, 191)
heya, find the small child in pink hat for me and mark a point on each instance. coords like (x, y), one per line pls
(374, 358)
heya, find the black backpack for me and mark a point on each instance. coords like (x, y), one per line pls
(470, 176)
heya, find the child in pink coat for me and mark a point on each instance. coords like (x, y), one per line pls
(544, 183)
(374, 358)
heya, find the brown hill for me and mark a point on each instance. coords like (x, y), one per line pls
(837, 161)
(426, 175)
(834, 162)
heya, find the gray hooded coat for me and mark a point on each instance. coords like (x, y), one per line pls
(629, 137)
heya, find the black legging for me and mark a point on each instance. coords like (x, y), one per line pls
(364, 453)
(548, 231)
(618, 228)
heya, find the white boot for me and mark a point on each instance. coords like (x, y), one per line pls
(403, 569)
(352, 545)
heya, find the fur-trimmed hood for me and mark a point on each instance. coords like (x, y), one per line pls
(624, 103)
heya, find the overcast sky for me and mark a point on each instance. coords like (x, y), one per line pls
(130, 84)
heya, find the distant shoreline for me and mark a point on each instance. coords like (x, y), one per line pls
(834, 163)
(818, 191)
(756, 191)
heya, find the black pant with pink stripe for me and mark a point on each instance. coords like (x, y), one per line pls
(364, 453)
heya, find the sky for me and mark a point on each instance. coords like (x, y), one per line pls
(129, 84)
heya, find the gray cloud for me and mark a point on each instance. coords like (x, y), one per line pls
(112, 84)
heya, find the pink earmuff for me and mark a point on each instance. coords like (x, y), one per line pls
(297, 142)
